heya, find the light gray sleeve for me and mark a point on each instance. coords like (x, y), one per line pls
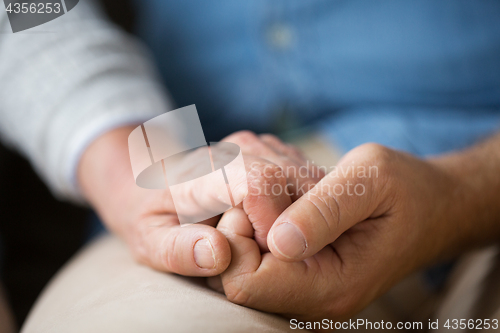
(64, 83)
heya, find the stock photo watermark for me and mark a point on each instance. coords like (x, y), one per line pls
(206, 179)
(344, 180)
(365, 324)
(27, 14)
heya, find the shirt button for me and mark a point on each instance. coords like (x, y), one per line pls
(280, 36)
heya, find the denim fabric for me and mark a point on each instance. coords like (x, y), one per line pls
(422, 76)
(418, 130)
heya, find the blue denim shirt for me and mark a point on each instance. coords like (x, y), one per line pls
(421, 76)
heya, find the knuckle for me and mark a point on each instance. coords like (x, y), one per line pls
(274, 173)
(167, 253)
(295, 151)
(383, 162)
(265, 176)
(376, 154)
(243, 137)
(250, 143)
(268, 171)
(379, 162)
(271, 138)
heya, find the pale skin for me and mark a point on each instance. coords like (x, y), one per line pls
(319, 255)
(145, 219)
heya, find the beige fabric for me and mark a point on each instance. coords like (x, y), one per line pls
(103, 290)
(474, 289)
(6, 320)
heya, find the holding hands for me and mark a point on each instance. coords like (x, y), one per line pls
(147, 221)
(332, 251)
(308, 245)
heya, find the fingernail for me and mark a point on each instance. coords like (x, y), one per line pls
(204, 255)
(289, 241)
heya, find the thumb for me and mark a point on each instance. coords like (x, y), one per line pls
(319, 217)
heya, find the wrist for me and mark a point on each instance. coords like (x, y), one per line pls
(472, 219)
(104, 172)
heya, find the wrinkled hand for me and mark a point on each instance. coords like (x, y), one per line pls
(146, 219)
(348, 240)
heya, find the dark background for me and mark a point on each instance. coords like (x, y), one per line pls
(39, 234)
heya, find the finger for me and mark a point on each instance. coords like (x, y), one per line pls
(266, 283)
(192, 250)
(314, 172)
(323, 214)
(282, 287)
(300, 177)
(282, 148)
(267, 198)
(262, 183)
(197, 191)
(238, 230)
(293, 152)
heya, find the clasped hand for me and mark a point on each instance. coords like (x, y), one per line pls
(377, 216)
(304, 243)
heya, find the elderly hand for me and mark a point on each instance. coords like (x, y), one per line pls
(380, 215)
(146, 219)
